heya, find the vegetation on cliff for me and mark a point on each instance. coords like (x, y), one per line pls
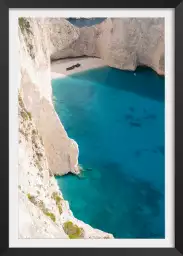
(72, 230)
(25, 28)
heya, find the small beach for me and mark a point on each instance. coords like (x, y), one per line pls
(58, 67)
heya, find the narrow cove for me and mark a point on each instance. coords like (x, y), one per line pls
(117, 119)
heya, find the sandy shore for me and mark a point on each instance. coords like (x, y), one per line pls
(58, 68)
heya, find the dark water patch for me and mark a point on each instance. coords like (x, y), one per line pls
(161, 149)
(131, 109)
(154, 151)
(129, 117)
(135, 124)
(138, 153)
(149, 86)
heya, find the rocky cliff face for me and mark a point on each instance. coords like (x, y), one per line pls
(44, 147)
(123, 43)
(43, 213)
(35, 50)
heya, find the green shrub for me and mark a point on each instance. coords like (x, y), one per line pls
(38, 165)
(34, 132)
(24, 25)
(42, 207)
(39, 155)
(24, 115)
(72, 230)
(20, 101)
(57, 199)
(51, 215)
(29, 115)
(31, 198)
(59, 208)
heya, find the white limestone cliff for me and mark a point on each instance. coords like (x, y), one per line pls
(123, 43)
(35, 85)
(44, 147)
(43, 213)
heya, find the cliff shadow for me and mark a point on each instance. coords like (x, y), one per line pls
(143, 82)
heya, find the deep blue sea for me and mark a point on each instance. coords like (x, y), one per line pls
(117, 119)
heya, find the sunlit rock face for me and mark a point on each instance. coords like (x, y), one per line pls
(35, 48)
(123, 43)
(44, 146)
(43, 211)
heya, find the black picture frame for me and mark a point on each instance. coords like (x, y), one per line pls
(4, 124)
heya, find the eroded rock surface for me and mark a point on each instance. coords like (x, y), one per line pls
(36, 90)
(43, 212)
(44, 146)
(122, 43)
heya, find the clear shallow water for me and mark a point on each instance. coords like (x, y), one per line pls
(117, 119)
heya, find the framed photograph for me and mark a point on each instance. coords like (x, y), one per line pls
(95, 132)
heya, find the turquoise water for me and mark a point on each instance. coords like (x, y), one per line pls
(117, 119)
